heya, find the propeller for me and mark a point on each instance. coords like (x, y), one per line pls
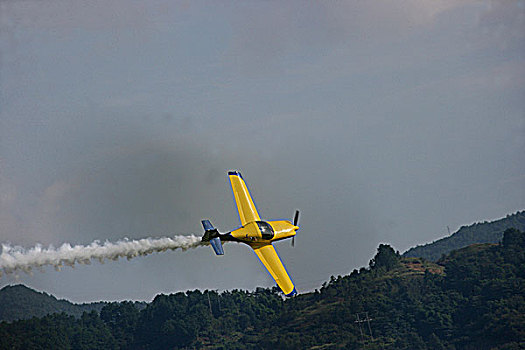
(296, 218)
(295, 223)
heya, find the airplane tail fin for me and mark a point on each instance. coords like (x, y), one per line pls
(212, 235)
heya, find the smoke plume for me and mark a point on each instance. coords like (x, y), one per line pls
(16, 258)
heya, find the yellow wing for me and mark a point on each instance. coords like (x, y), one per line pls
(245, 206)
(273, 264)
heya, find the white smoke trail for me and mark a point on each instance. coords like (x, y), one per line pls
(17, 258)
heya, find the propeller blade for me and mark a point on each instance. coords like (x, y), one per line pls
(296, 218)
(295, 223)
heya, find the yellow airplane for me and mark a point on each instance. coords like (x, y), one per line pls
(256, 233)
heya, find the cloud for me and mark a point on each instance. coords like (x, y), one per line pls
(62, 15)
(504, 23)
(8, 203)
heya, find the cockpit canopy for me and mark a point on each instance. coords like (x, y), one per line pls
(266, 230)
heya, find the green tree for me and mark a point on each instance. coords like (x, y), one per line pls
(386, 258)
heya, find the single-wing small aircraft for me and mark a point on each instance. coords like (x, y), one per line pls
(256, 233)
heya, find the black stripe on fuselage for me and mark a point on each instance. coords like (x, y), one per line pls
(227, 237)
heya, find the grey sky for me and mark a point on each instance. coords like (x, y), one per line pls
(382, 121)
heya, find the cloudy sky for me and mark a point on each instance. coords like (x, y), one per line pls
(383, 121)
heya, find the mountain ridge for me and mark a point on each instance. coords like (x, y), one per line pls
(479, 232)
(21, 302)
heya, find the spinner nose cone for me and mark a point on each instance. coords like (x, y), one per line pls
(296, 228)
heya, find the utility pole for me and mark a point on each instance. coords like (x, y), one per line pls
(369, 328)
(209, 303)
(358, 321)
(361, 320)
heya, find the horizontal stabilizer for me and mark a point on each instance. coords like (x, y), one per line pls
(217, 245)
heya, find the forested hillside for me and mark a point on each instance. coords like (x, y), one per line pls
(483, 232)
(472, 299)
(19, 302)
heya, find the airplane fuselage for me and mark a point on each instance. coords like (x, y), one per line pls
(264, 231)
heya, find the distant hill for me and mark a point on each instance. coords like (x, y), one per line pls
(472, 299)
(485, 232)
(19, 302)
